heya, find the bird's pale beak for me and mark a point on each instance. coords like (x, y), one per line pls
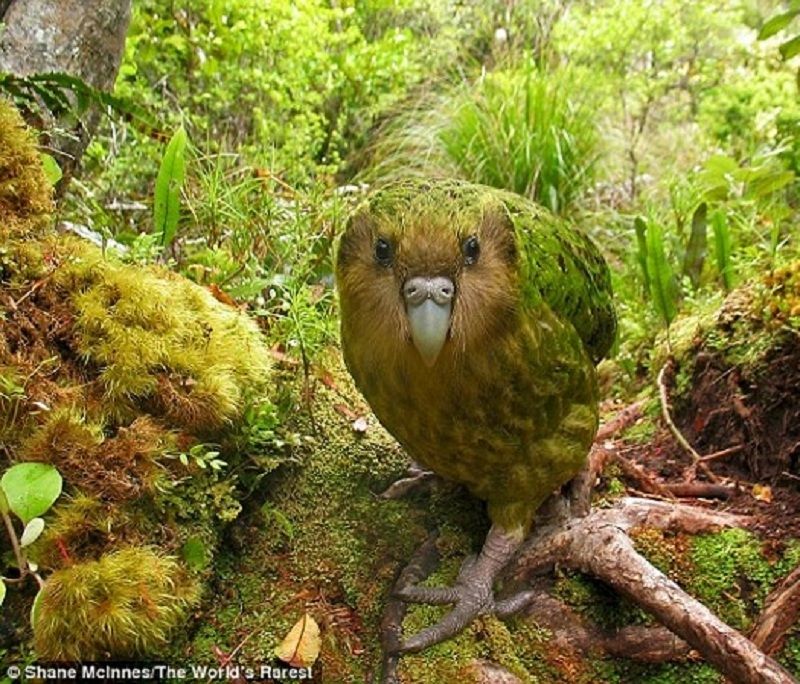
(429, 303)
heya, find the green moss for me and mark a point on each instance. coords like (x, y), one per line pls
(668, 673)
(790, 654)
(643, 430)
(125, 604)
(26, 197)
(596, 601)
(162, 343)
(733, 576)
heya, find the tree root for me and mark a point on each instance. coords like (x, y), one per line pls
(598, 544)
(596, 541)
(571, 632)
(422, 564)
(781, 611)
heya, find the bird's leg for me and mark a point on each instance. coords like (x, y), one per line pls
(471, 595)
(416, 477)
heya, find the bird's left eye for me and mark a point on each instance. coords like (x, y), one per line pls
(471, 250)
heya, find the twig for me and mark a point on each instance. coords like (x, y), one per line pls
(12, 535)
(724, 452)
(697, 459)
(700, 490)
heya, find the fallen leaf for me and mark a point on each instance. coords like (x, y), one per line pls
(328, 380)
(221, 296)
(345, 411)
(301, 646)
(762, 493)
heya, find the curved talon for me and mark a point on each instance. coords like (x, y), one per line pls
(513, 604)
(472, 594)
(455, 621)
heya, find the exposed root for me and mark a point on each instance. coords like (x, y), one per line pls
(596, 542)
(598, 545)
(572, 632)
(422, 564)
(697, 460)
(781, 611)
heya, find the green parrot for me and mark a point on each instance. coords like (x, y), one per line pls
(472, 320)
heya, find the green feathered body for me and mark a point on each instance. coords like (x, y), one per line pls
(510, 407)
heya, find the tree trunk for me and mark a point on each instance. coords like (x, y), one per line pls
(83, 38)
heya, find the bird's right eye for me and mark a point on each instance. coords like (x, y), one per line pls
(383, 252)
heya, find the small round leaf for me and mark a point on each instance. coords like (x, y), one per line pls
(31, 488)
(31, 532)
(35, 608)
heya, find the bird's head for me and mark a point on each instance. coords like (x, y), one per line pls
(428, 275)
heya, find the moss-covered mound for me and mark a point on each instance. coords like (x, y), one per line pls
(134, 383)
(738, 383)
(125, 603)
(26, 198)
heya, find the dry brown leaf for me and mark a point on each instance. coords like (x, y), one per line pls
(762, 493)
(345, 411)
(301, 646)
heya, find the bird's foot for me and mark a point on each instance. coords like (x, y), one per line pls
(416, 478)
(471, 596)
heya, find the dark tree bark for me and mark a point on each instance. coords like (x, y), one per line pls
(83, 38)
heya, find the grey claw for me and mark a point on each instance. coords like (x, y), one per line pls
(400, 488)
(513, 604)
(450, 625)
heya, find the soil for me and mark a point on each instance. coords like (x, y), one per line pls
(755, 410)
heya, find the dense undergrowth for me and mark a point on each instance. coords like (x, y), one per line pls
(144, 374)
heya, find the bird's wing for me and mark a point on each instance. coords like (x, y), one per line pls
(564, 267)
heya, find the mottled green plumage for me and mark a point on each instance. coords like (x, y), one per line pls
(510, 407)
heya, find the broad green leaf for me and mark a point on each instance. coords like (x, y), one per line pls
(663, 286)
(640, 227)
(769, 183)
(166, 208)
(3, 502)
(31, 488)
(52, 170)
(696, 249)
(31, 532)
(722, 247)
(790, 48)
(195, 554)
(301, 646)
(2, 592)
(776, 23)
